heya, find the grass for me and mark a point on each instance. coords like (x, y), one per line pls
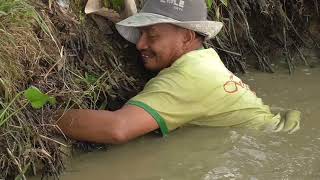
(67, 58)
(21, 51)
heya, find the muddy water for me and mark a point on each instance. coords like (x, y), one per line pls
(193, 153)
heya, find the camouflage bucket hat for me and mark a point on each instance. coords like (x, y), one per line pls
(188, 14)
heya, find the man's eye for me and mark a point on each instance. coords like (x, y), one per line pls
(152, 36)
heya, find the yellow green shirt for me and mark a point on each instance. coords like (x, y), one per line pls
(198, 89)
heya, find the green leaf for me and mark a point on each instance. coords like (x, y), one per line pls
(90, 79)
(106, 3)
(37, 98)
(224, 2)
(209, 4)
(117, 4)
(52, 100)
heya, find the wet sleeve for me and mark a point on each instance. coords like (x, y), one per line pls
(171, 99)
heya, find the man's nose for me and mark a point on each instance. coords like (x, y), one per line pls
(142, 42)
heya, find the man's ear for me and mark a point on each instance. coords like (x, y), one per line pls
(189, 38)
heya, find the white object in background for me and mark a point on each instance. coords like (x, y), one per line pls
(96, 7)
(64, 4)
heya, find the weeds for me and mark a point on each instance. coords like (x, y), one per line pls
(257, 27)
(49, 49)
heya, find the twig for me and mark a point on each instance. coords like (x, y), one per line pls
(62, 58)
(283, 14)
(17, 163)
(316, 5)
(50, 139)
(230, 52)
(301, 55)
(288, 57)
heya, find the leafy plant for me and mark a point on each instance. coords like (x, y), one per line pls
(117, 4)
(37, 98)
(90, 79)
(224, 2)
(114, 4)
(209, 3)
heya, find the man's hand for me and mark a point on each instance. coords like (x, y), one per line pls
(105, 126)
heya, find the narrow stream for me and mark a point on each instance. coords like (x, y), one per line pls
(199, 153)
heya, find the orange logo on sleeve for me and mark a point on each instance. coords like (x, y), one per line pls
(233, 86)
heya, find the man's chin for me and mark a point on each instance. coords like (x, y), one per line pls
(151, 68)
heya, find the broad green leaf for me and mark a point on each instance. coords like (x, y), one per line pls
(37, 98)
(224, 2)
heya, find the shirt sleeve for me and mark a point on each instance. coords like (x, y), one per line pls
(171, 98)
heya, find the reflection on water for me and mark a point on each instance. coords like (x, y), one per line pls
(193, 153)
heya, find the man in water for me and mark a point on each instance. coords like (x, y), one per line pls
(193, 85)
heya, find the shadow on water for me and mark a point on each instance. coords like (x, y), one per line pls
(193, 153)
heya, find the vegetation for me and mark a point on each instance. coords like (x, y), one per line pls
(52, 57)
(261, 28)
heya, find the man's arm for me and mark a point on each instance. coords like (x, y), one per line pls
(106, 126)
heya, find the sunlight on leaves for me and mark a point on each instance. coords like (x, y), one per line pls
(90, 79)
(224, 2)
(209, 4)
(37, 98)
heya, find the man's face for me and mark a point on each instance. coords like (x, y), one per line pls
(160, 45)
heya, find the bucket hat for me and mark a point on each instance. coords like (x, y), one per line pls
(188, 14)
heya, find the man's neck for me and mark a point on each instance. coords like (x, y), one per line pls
(195, 47)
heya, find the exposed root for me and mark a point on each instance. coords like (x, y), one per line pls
(253, 27)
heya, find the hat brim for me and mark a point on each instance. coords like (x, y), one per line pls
(128, 28)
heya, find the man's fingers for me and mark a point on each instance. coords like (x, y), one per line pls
(279, 126)
(290, 123)
(296, 128)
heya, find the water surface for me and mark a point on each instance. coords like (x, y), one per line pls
(198, 153)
